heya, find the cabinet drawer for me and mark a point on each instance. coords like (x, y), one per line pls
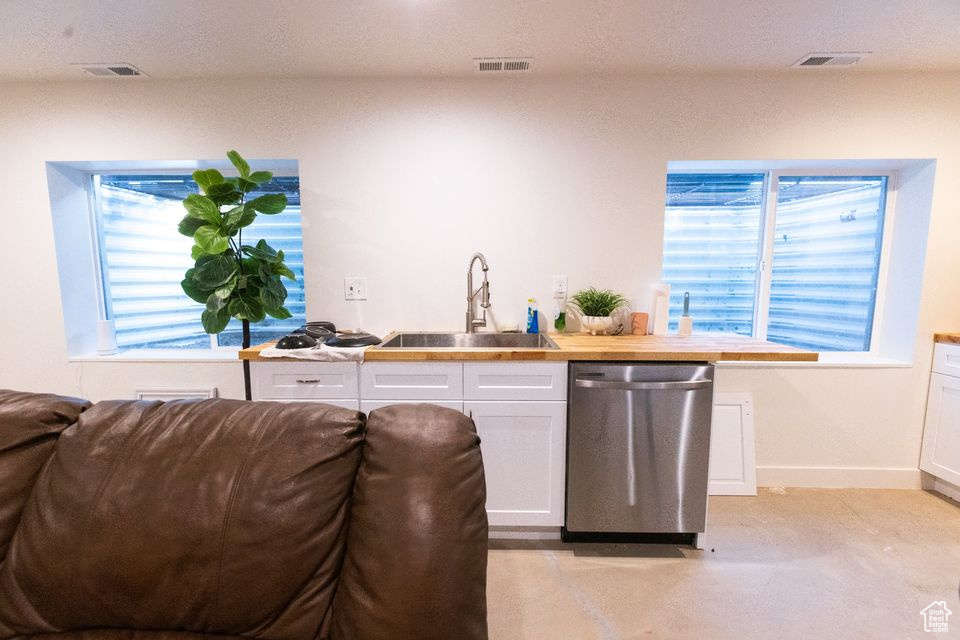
(370, 405)
(946, 359)
(303, 380)
(411, 381)
(515, 381)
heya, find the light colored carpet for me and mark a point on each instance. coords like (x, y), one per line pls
(811, 564)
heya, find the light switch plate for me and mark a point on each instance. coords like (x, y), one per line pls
(354, 288)
(559, 286)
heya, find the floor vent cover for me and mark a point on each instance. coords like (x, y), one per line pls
(502, 65)
(830, 59)
(110, 69)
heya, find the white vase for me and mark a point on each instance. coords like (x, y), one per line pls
(593, 324)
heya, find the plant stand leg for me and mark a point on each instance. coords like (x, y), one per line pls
(246, 363)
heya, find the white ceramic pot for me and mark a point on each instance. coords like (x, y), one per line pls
(593, 324)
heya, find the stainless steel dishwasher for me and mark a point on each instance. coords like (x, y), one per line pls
(638, 444)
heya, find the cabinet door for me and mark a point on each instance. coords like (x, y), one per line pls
(941, 432)
(524, 449)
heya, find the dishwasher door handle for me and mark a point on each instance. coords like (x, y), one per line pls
(677, 385)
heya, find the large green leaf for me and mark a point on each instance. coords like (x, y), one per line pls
(237, 160)
(196, 252)
(283, 270)
(215, 303)
(224, 291)
(202, 207)
(231, 198)
(280, 313)
(246, 308)
(260, 177)
(238, 218)
(262, 251)
(221, 189)
(189, 225)
(215, 272)
(270, 203)
(273, 293)
(206, 178)
(192, 289)
(215, 321)
(210, 240)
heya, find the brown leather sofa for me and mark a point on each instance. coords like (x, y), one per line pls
(147, 520)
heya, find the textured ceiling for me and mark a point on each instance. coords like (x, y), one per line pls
(318, 38)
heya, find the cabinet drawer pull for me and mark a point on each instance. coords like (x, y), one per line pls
(308, 381)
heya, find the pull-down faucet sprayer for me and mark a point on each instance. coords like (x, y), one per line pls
(483, 290)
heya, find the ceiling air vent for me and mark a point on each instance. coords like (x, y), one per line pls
(502, 65)
(829, 60)
(110, 69)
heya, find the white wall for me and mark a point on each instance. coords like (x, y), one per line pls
(403, 179)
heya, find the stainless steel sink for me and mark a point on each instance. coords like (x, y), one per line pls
(469, 341)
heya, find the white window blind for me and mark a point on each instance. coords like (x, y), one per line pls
(826, 260)
(824, 244)
(143, 259)
(710, 247)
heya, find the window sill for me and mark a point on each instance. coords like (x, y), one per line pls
(826, 361)
(164, 355)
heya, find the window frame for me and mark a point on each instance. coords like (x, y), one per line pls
(282, 168)
(768, 221)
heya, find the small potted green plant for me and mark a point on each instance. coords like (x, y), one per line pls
(596, 305)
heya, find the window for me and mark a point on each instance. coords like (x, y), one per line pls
(143, 259)
(821, 236)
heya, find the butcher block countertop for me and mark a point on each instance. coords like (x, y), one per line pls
(582, 346)
(947, 337)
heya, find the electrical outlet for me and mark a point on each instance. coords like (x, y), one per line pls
(559, 286)
(354, 288)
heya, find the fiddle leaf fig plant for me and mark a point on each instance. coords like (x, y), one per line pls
(233, 280)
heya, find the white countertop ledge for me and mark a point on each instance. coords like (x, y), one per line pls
(827, 361)
(163, 355)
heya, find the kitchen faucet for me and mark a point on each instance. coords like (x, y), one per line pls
(483, 290)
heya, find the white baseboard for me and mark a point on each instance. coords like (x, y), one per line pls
(839, 477)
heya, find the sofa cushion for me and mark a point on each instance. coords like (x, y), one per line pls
(416, 564)
(214, 516)
(29, 426)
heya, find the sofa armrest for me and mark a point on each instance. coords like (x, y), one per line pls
(30, 424)
(417, 544)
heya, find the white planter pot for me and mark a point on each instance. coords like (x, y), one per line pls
(593, 324)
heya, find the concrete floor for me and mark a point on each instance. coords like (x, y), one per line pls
(789, 563)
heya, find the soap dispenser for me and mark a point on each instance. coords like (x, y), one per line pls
(533, 316)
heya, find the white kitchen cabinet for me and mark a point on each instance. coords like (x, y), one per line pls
(940, 455)
(519, 408)
(331, 382)
(524, 460)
